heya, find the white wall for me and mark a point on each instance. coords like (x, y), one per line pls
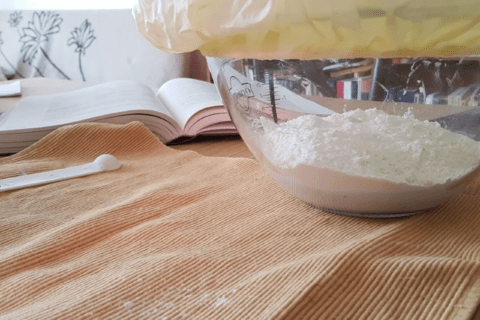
(64, 4)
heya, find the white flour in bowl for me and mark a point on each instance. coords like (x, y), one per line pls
(372, 144)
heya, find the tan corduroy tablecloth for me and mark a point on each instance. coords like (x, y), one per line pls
(175, 235)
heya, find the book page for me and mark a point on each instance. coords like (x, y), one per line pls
(11, 89)
(185, 97)
(104, 100)
(208, 118)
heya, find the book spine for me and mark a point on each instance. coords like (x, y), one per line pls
(455, 97)
(347, 89)
(365, 85)
(405, 96)
(359, 88)
(429, 99)
(466, 97)
(473, 100)
(354, 90)
(340, 89)
(440, 100)
(418, 98)
(451, 98)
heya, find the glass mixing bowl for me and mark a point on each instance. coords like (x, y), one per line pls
(363, 137)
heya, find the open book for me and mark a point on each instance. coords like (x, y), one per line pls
(182, 107)
(12, 89)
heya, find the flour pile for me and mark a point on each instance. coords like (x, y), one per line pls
(372, 144)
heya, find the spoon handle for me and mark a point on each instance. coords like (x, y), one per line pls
(99, 165)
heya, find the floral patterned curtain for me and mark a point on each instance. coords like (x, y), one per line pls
(87, 45)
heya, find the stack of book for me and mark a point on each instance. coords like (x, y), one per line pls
(354, 88)
(463, 96)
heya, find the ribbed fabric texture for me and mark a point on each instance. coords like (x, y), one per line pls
(176, 235)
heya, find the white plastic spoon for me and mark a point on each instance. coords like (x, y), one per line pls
(105, 162)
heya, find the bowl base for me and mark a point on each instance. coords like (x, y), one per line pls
(373, 215)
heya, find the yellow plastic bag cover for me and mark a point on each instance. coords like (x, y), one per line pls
(312, 29)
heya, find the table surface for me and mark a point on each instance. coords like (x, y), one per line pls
(214, 146)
